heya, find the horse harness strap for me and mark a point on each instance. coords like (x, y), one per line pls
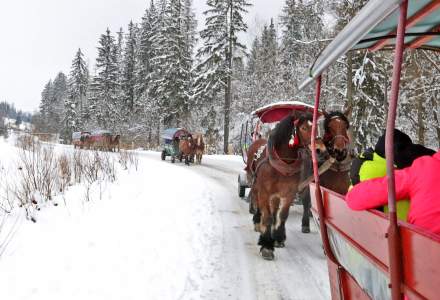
(281, 166)
(322, 169)
(342, 166)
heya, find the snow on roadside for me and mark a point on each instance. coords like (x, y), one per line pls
(145, 237)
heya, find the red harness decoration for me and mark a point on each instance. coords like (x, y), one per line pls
(294, 139)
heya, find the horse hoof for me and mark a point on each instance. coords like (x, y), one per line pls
(279, 244)
(305, 229)
(257, 227)
(267, 254)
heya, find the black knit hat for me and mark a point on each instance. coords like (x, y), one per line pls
(401, 141)
(406, 157)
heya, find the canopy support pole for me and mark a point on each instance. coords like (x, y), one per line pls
(318, 194)
(394, 247)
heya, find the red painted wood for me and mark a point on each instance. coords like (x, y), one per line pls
(421, 262)
(352, 291)
(366, 231)
(425, 11)
(345, 284)
(363, 228)
(335, 289)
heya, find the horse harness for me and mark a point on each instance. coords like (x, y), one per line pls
(284, 168)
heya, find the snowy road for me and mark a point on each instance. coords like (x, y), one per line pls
(299, 271)
(167, 231)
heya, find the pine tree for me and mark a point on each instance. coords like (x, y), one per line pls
(223, 23)
(145, 50)
(107, 106)
(56, 110)
(46, 100)
(128, 69)
(302, 30)
(77, 91)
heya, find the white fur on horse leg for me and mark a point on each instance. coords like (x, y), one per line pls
(283, 202)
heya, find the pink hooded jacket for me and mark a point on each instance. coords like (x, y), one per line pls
(420, 183)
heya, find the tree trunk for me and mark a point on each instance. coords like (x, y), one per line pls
(158, 134)
(350, 87)
(228, 89)
(436, 116)
(420, 121)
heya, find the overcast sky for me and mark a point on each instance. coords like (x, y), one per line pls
(40, 37)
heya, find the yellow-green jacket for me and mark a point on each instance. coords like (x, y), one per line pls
(371, 165)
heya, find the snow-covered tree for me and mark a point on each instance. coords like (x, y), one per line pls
(106, 103)
(224, 21)
(128, 69)
(77, 91)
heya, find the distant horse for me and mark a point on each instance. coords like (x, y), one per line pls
(199, 147)
(186, 148)
(113, 143)
(275, 169)
(336, 178)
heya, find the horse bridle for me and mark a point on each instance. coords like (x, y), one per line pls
(329, 139)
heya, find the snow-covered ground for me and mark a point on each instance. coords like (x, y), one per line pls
(165, 231)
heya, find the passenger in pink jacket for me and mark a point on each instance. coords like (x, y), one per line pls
(420, 183)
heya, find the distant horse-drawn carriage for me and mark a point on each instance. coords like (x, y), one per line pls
(102, 140)
(181, 144)
(80, 139)
(171, 138)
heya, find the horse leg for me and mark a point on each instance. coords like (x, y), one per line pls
(305, 199)
(280, 218)
(265, 241)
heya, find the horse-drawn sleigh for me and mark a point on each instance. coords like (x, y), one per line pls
(180, 144)
(251, 131)
(280, 167)
(372, 255)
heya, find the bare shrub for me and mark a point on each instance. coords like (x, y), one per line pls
(27, 142)
(6, 195)
(49, 173)
(128, 159)
(37, 178)
(107, 167)
(78, 165)
(65, 172)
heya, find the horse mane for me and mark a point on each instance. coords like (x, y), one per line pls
(283, 131)
(334, 114)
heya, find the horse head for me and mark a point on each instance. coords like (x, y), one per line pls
(336, 134)
(295, 131)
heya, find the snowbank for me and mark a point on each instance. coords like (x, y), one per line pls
(140, 237)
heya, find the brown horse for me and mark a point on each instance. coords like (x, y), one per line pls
(199, 147)
(186, 148)
(338, 143)
(337, 178)
(113, 143)
(276, 167)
